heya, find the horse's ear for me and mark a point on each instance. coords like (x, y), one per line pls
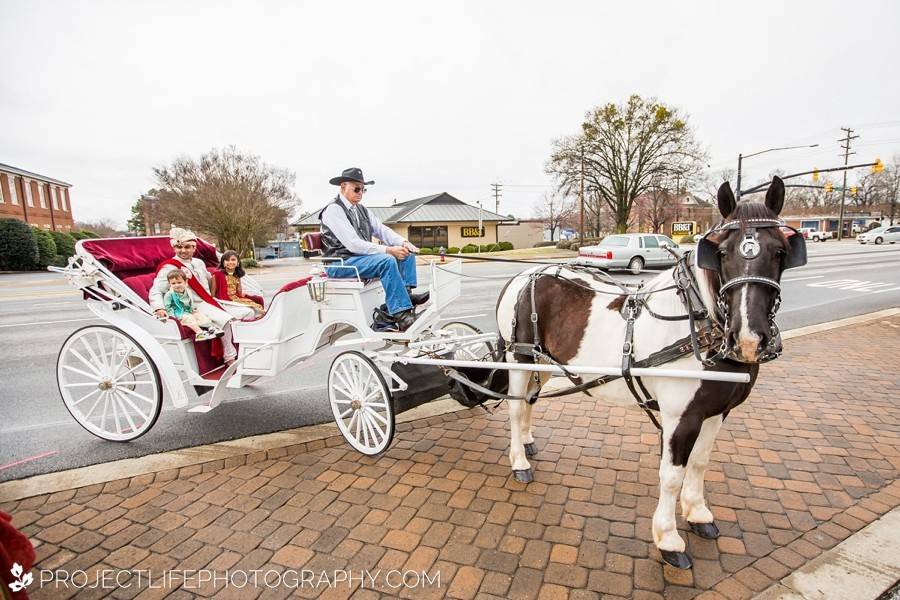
(726, 200)
(775, 195)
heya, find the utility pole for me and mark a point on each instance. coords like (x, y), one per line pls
(847, 153)
(497, 189)
(581, 226)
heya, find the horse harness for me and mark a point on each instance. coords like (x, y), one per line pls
(701, 337)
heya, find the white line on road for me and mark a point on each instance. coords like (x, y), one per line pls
(802, 278)
(49, 322)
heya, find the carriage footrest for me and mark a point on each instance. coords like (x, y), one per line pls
(202, 408)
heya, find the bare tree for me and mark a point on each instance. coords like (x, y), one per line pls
(622, 149)
(105, 227)
(231, 195)
(554, 210)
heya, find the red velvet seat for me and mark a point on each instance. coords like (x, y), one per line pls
(134, 261)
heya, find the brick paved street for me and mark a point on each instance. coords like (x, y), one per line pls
(812, 457)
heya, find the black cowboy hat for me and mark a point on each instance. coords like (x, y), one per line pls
(351, 174)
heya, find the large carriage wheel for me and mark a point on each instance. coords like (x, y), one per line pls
(361, 402)
(108, 383)
(473, 351)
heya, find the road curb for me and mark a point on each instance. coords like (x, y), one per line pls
(862, 567)
(257, 448)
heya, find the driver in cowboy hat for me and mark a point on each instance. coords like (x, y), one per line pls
(347, 230)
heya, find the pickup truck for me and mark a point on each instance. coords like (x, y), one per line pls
(817, 236)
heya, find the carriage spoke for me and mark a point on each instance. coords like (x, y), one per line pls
(142, 382)
(136, 395)
(353, 418)
(135, 408)
(115, 407)
(118, 398)
(374, 413)
(115, 372)
(102, 348)
(365, 429)
(346, 412)
(85, 397)
(342, 390)
(105, 409)
(132, 370)
(85, 384)
(91, 352)
(80, 372)
(372, 430)
(86, 362)
(347, 385)
(349, 379)
(374, 394)
(90, 412)
(358, 423)
(342, 401)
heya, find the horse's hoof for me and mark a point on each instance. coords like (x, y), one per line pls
(523, 475)
(707, 531)
(530, 450)
(679, 560)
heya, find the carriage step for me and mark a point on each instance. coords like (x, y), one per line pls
(202, 408)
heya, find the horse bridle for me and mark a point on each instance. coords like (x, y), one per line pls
(708, 258)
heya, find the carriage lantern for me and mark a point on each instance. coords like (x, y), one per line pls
(316, 289)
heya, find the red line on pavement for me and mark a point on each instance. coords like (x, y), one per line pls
(25, 460)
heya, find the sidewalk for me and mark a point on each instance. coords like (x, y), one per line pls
(812, 457)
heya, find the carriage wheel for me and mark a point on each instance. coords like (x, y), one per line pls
(361, 402)
(474, 351)
(108, 383)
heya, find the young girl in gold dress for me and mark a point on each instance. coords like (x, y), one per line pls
(226, 283)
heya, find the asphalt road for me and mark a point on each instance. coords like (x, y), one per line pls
(39, 310)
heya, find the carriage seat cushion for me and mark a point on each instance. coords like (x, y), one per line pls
(126, 257)
(313, 240)
(141, 284)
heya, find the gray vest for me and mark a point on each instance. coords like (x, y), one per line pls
(331, 245)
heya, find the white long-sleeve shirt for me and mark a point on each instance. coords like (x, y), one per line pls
(336, 220)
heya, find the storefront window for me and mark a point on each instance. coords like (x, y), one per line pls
(429, 237)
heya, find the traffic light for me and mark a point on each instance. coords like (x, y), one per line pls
(853, 190)
(829, 187)
(878, 167)
(815, 176)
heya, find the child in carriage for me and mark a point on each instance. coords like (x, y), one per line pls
(226, 283)
(180, 306)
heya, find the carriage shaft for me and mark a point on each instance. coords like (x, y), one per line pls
(578, 370)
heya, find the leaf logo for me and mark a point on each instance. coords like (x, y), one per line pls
(22, 581)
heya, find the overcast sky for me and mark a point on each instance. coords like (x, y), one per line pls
(426, 97)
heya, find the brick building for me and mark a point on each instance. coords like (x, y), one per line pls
(36, 199)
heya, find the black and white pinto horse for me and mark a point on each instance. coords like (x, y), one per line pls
(580, 327)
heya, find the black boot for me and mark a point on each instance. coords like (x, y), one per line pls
(382, 320)
(405, 319)
(418, 299)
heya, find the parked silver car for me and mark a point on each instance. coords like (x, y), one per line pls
(880, 235)
(632, 251)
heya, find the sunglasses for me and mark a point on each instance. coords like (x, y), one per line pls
(359, 189)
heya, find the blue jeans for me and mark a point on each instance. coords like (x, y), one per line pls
(396, 276)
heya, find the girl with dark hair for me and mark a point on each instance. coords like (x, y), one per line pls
(226, 283)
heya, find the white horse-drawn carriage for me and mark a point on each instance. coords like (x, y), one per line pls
(111, 376)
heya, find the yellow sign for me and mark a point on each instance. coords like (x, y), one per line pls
(829, 187)
(815, 176)
(878, 167)
(472, 232)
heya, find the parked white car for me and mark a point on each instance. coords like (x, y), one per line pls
(815, 235)
(632, 251)
(880, 235)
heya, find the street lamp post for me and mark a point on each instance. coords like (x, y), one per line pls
(741, 158)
